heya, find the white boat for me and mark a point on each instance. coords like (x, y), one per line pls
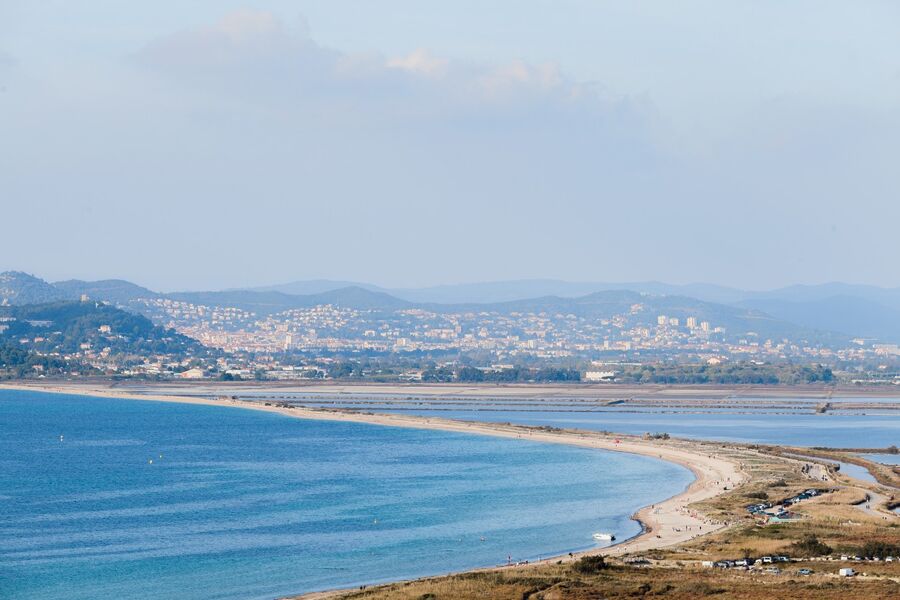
(604, 537)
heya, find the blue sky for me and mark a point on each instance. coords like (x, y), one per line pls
(201, 144)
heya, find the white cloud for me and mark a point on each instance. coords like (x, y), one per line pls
(248, 24)
(254, 55)
(240, 40)
(420, 61)
(407, 160)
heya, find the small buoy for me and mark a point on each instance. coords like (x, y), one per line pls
(375, 522)
(160, 455)
(151, 461)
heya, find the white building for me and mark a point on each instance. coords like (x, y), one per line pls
(599, 375)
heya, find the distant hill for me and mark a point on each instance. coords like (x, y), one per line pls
(889, 297)
(259, 302)
(357, 297)
(496, 291)
(21, 288)
(314, 286)
(737, 321)
(272, 302)
(116, 291)
(803, 310)
(857, 317)
(65, 326)
(506, 291)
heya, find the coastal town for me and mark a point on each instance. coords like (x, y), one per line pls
(116, 328)
(316, 343)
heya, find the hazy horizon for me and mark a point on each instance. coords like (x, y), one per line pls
(231, 144)
(342, 282)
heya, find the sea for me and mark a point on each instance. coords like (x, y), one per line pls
(114, 498)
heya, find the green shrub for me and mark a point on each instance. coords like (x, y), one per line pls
(590, 565)
(810, 546)
(879, 549)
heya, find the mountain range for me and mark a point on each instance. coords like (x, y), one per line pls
(828, 311)
(504, 291)
(856, 310)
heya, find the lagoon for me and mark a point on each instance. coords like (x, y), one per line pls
(839, 431)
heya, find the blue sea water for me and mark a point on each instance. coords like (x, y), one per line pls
(243, 504)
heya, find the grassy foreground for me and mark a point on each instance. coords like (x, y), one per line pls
(559, 582)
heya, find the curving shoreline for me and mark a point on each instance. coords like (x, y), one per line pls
(663, 524)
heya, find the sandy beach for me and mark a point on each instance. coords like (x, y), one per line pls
(665, 523)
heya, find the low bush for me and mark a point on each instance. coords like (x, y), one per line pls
(589, 565)
(879, 549)
(809, 546)
(701, 588)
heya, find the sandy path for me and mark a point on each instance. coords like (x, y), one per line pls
(665, 523)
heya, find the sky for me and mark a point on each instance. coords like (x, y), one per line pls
(205, 144)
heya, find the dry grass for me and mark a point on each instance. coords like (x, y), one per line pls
(563, 583)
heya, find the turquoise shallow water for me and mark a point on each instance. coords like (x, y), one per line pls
(243, 504)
